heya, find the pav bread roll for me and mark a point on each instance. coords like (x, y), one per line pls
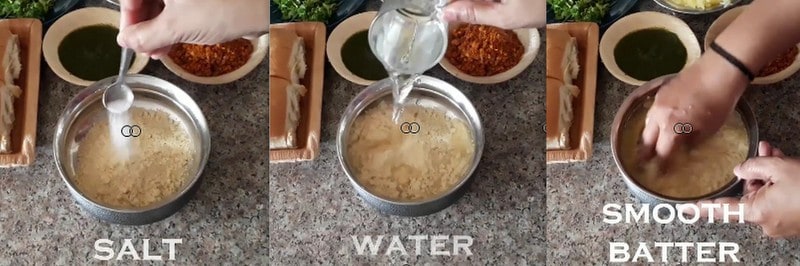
(284, 112)
(559, 113)
(562, 56)
(562, 69)
(287, 55)
(9, 91)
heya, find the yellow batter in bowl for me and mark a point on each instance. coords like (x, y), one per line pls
(696, 172)
(409, 167)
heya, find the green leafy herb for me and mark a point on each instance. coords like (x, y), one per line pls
(25, 8)
(307, 10)
(580, 10)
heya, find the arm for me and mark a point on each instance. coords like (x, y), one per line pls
(253, 16)
(707, 91)
(152, 27)
(760, 34)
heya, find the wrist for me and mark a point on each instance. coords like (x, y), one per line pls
(261, 25)
(721, 76)
(252, 17)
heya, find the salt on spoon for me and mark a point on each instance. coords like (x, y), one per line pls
(118, 97)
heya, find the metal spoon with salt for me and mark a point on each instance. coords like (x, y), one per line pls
(118, 97)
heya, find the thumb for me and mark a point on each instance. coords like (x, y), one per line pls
(474, 12)
(759, 168)
(147, 36)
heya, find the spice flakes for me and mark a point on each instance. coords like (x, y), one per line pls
(779, 64)
(481, 50)
(212, 60)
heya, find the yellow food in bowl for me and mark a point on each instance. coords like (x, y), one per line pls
(700, 4)
(696, 172)
(409, 166)
(146, 169)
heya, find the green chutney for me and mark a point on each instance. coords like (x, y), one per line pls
(359, 59)
(91, 53)
(650, 53)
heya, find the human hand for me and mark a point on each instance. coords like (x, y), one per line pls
(507, 14)
(764, 150)
(703, 95)
(770, 199)
(151, 27)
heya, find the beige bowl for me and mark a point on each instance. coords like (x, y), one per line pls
(530, 39)
(260, 48)
(722, 22)
(339, 36)
(72, 21)
(640, 21)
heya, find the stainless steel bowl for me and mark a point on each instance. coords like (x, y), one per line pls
(86, 108)
(679, 9)
(432, 93)
(632, 104)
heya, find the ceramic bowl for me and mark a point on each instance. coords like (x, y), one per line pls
(260, 49)
(668, 4)
(530, 39)
(339, 36)
(640, 21)
(722, 22)
(72, 21)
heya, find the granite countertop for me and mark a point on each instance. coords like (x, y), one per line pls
(314, 210)
(577, 192)
(226, 221)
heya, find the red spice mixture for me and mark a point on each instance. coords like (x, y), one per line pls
(212, 60)
(779, 64)
(480, 50)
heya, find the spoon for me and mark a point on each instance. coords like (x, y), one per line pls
(118, 97)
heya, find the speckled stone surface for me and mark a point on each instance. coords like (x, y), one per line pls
(577, 192)
(314, 211)
(225, 222)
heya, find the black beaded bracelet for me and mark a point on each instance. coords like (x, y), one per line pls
(732, 59)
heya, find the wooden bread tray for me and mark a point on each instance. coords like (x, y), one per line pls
(23, 134)
(308, 130)
(581, 132)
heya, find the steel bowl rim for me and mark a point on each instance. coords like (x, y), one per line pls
(79, 102)
(674, 8)
(742, 107)
(379, 91)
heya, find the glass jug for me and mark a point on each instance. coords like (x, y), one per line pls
(409, 36)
